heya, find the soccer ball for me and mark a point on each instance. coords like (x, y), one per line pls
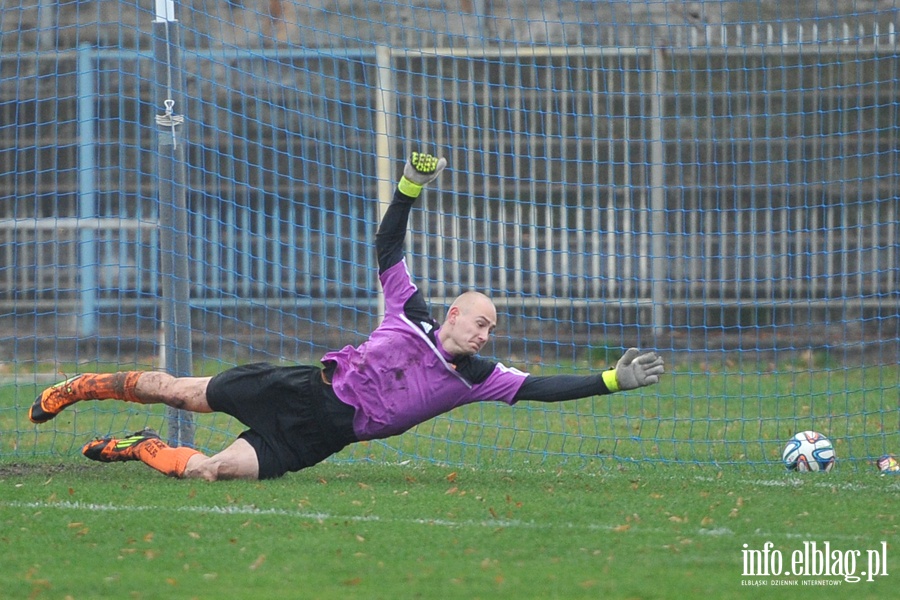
(888, 464)
(808, 451)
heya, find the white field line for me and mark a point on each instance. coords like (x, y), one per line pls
(296, 514)
(321, 517)
(788, 480)
(819, 480)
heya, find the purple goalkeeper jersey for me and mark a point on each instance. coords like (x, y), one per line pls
(402, 376)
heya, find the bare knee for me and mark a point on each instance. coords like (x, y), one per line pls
(238, 461)
(215, 469)
(203, 468)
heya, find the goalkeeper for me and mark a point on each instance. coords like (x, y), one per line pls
(409, 370)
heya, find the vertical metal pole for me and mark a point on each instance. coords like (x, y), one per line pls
(87, 193)
(173, 219)
(478, 7)
(658, 228)
(384, 102)
(48, 28)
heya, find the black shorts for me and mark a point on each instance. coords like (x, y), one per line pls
(295, 419)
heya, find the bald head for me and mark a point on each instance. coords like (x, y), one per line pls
(475, 301)
(469, 323)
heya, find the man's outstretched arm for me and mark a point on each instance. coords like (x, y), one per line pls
(420, 170)
(635, 369)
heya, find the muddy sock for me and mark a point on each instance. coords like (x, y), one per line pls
(164, 458)
(106, 386)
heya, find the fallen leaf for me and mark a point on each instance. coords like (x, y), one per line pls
(258, 562)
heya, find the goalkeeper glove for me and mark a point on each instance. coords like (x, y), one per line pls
(420, 170)
(634, 370)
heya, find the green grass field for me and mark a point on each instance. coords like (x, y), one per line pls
(639, 495)
(83, 530)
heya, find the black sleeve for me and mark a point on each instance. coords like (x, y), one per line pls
(392, 232)
(557, 388)
(474, 369)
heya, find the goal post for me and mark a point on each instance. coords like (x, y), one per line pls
(175, 298)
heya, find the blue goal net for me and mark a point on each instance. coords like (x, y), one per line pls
(188, 186)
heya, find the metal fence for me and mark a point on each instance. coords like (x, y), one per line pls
(694, 183)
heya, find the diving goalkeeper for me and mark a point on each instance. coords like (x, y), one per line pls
(410, 369)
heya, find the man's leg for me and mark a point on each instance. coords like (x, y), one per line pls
(237, 461)
(150, 387)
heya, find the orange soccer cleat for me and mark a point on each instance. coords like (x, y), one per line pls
(112, 450)
(52, 400)
(88, 386)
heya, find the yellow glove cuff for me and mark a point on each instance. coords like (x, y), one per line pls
(609, 378)
(408, 188)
